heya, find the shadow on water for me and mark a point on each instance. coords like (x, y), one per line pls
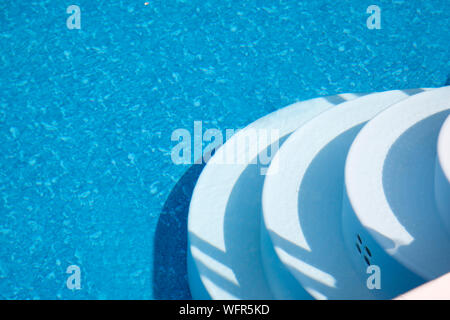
(170, 247)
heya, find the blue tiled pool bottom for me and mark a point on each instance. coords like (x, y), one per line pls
(86, 118)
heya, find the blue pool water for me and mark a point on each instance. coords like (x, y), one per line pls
(86, 118)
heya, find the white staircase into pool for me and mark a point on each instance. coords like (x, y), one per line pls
(355, 203)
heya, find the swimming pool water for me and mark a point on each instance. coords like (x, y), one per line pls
(86, 118)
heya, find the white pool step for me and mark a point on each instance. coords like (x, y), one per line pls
(301, 251)
(224, 260)
(442, 174)
(302, 203)
(389, 202)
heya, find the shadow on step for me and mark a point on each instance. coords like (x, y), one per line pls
(408, 181)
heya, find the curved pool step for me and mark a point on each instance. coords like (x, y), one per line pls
(389, 205)
(303, 248)
(442, 178)
(224, 260)
(391, 177)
